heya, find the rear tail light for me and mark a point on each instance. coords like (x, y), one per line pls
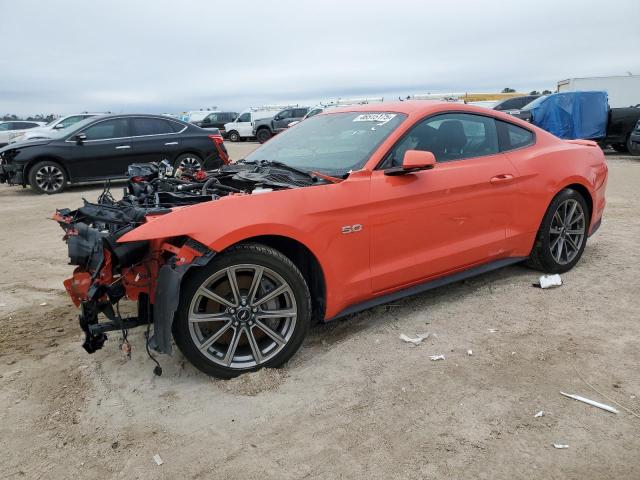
(222, 151)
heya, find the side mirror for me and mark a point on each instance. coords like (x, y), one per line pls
(413, 161)
(80, 138)
(58, 126)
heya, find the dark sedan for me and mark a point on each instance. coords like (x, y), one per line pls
(103, 147)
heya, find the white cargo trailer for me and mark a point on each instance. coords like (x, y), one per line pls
(623, 90)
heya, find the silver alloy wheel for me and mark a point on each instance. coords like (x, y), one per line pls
(191, 163)
(567, 231)
(242, 316)
(49, 178)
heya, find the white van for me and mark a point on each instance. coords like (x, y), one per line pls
(242, 127)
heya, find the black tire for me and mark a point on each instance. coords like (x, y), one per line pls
(620, 147)
(192, 302)
(234, 136)
(632, 147)
(47, 177)
(263, 135)
(541, 257)
(190, 160)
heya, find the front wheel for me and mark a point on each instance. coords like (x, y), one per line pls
(234, 136)
(263, 135)
(249, 308)
(562, 236)
(633, 147)
(47, 177)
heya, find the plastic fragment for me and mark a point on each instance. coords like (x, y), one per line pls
(560, 445)
(469, 352)
(593, 403)
(550, 281)
(539, 414)
(416, 341)
(436, 357)
(157, 459)
(43, 304)
(493, 330)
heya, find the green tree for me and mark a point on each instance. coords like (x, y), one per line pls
(508, 90)
(547, 92)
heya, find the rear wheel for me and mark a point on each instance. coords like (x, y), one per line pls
(234, 136)
(249, 308)
(263, 135)
(189, 161)
(47, 177)
(562, 236)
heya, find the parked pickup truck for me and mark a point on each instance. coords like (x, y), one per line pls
(266, 128)
(585, 115)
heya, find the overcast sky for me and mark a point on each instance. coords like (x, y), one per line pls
(157, 56)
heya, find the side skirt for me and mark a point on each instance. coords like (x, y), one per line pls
(428, 285)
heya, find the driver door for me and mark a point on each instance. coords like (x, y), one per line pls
(432, 222)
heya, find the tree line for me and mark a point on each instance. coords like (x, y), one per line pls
(31, 118)
(533, 92)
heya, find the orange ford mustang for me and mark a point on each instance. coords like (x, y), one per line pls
(344, 211)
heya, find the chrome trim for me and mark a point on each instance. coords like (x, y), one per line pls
(69, 139)
(123, 147)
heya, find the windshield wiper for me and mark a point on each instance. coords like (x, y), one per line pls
(275, 163)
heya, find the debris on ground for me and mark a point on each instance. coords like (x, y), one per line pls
(493, 330)
(157, 459)
(560, 445)
(550, 281)
(539, 414)
(469, 352)
(436, 357)
(43, 304)
(593, 403)
(416, 341)
(3, 304)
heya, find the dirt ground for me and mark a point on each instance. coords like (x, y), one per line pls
(355, 402)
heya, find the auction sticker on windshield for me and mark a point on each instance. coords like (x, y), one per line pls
(381, 118)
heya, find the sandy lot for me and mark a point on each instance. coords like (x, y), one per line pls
(355, 402)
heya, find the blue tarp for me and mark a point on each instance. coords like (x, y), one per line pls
(573, 115)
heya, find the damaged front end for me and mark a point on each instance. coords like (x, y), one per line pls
(148, 272)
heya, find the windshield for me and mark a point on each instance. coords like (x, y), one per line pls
(333, 144)
(535, 103)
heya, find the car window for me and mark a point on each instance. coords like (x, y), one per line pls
(513, 136)
(5, 126)
(285, 114)
(115, 128)
(245, 117)
(313, 112)
(151, 126)
(299, 112)
(71, 120)
(451, 136)
(213, 117)
(175, 126)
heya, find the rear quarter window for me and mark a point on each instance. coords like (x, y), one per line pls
(513, 137)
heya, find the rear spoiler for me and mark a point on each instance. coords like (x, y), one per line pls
(584, 143)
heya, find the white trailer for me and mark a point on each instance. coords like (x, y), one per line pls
(623, 90)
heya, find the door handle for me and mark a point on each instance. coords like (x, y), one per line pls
(123, 147)
(503, 178)
(171, 143)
